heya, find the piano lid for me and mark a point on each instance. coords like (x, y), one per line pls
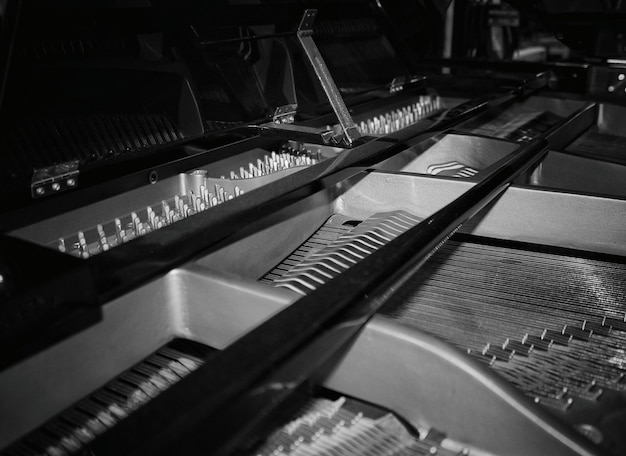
(100, 84)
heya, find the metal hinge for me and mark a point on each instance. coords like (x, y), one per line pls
(285, 114)
(54, 179)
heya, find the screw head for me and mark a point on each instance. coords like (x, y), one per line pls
(56, 186)
(71, 182)
(40, 190)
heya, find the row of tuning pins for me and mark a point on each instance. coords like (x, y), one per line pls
(400, 118)
(192, 203)
(169, 212)
(287, 158)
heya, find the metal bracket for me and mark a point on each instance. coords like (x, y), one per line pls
(349, 131)
(400, 83)
(397, 84)
(299, 133)
(54, 179)
(285, 114)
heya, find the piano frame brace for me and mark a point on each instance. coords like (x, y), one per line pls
(349, 134)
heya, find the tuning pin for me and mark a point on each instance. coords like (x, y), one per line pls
(136, 223)
(81, 240)
(82, 245)
(165, 210)
(102, 238)
(62, 245)
(192, 200)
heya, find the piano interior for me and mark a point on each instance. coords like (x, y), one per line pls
(293, 228)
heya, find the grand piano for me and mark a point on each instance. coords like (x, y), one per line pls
(294, 228)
